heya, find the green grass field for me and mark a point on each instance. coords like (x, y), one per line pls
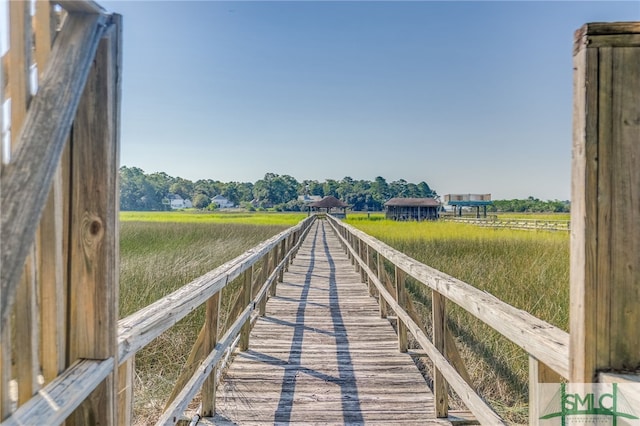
(161, 252)
(529, 270)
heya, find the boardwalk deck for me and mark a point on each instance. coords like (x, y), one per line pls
(322, 354)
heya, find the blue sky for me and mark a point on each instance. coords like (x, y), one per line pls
(467, 96)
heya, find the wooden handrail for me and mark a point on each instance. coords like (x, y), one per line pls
(547, 345)
(545, 342)
(140, 328)
(54, 403)
(471, 399)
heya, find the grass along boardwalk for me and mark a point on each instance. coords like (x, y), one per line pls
(322, 354)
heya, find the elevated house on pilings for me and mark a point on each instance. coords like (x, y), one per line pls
(330, 205)
(412, 209)
(458, 201)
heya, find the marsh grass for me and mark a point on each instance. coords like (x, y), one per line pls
(158, 257)
(527, 269)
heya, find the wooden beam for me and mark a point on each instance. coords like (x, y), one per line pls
(93, 269)
(246, 297)
(605, 213)
(27, 334)
(126, 374)
(210, 341)
(440, 388)
(40, 146)
(55, 402)
(401, 296)
(19, 66)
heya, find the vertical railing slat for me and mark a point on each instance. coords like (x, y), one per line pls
(246, 296)
(401, 295)
(211, 338)
(439, 334)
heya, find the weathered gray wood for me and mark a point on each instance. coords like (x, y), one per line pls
(94, 232)
(140, 328)
(477, 406)
(605, 237)
(246, 296)
(40, 145)
(322, 354)
(401, 298)
(211, 339)
(82, 6)
(174, 411)
(537, 337)
(440, 388)
(27, 333)
(56, 401)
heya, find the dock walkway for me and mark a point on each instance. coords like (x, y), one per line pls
(322, 354)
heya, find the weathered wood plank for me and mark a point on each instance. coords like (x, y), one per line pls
(322, 353)
(94, 230)
(56, 401)
(27, 333)
(605, 236)
(210, 341)
(440, 388)
(40, 146)
(49, 239)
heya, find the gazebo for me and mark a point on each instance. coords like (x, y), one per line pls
(412, 209)
(329, 203)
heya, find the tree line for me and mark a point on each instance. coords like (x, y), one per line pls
(530, 205)
(151, 191)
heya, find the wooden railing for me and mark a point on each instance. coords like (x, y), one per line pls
(528, 224)
(60, 88)
(547, 346)
(258, 270)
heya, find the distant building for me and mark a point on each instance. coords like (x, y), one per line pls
(309, 198)
(222, 202)
(412, 209)
(330, 205)
(177, 202)
(458, 201)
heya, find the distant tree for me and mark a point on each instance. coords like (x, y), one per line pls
(201, 201)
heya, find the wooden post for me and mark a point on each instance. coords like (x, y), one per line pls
(366, 278)
(126, 373)
(440, 390)
(538, 373)
(605, 208)
(283, 253)
(275, 259)
(246, 296)
(93, 266)
(384, 308)
(401, 295)
(210, 340)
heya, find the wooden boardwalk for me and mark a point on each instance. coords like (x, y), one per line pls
(322, 354)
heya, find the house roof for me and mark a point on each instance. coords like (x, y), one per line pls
(413, 202)
(329, 202)
(219, 197)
